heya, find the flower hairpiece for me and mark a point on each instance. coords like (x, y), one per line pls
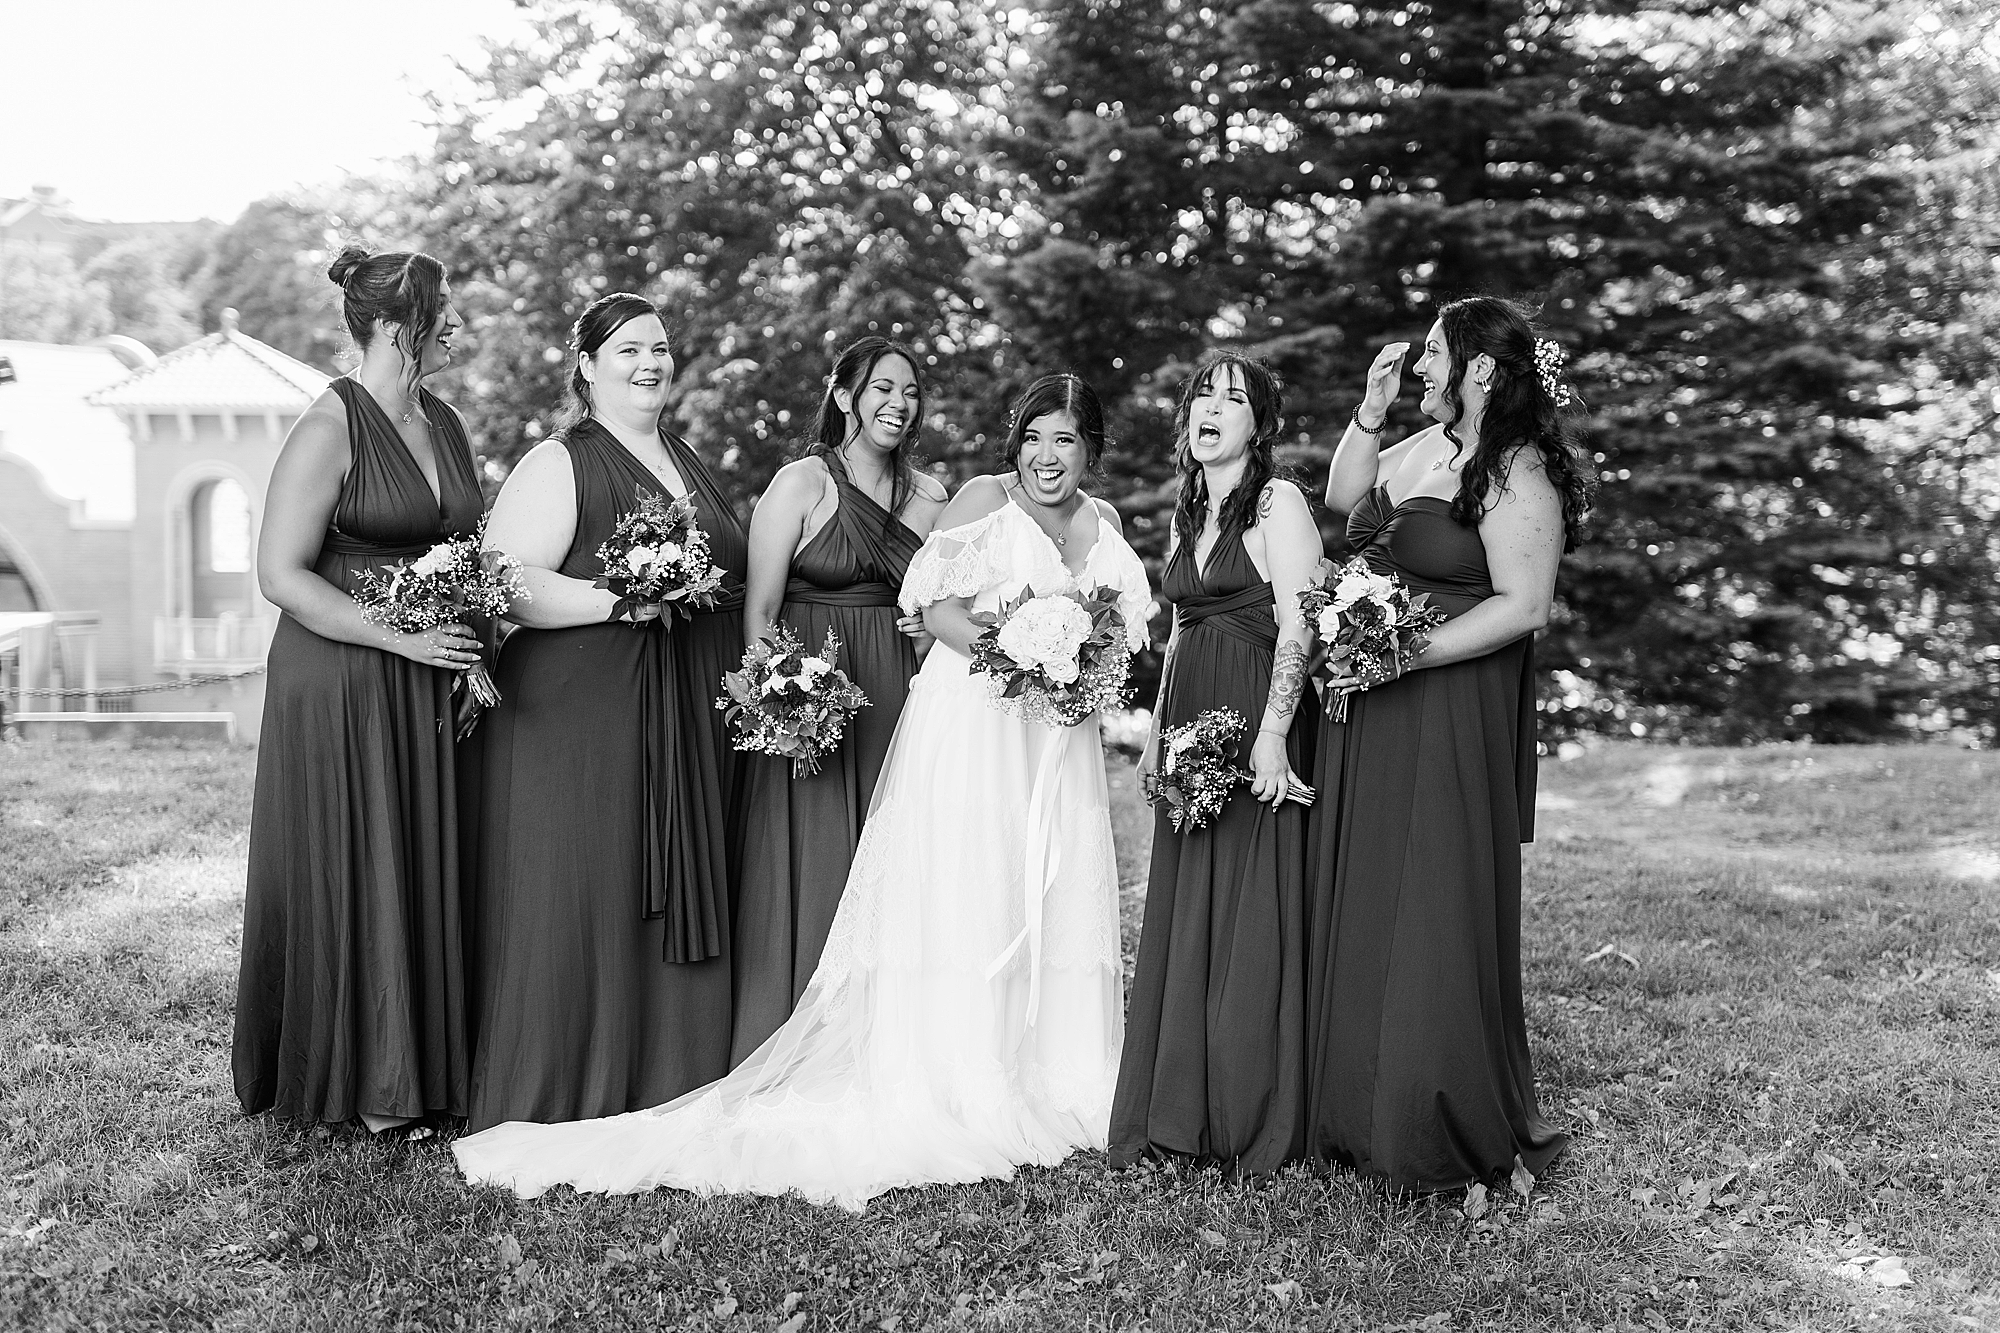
(1549, 358)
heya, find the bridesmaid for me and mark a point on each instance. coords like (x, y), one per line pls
(1214, 1060)
(1419, 1069)
(351, 1000)
(829, 543)
(604, 871)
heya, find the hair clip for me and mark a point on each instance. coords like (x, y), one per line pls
(1549, 358)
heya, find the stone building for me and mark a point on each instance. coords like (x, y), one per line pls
(131, 494)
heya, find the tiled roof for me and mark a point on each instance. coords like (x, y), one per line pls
(225, 370)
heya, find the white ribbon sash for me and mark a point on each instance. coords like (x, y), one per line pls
(1044, 859)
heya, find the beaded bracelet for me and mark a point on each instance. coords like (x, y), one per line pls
(1366, 429)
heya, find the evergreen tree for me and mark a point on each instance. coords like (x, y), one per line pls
(1690, 189)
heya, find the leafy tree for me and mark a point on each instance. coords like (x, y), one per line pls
(270, 266)
(44, 299)
(783, 177)
(145, 303)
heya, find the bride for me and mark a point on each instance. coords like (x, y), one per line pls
(965, 1017)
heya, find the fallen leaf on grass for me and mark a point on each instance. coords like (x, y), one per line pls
(1476, 1205)
(1284, 1291)
(724, 1308)
(1523, 1180)
(1213, 1239)
(791, 1303)
(1884, 1270)
(1611, 951)
(794, 1324)
(510, 1252)
(1826, 1161)
(308, 1243)
(526, 1270)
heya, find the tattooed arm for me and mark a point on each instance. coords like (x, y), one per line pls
(1289, 545)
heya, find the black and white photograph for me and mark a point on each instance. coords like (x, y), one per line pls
(905, 665)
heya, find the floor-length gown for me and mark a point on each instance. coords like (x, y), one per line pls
(604, 882)
(964, 1018)
(801, 832)
(1214, 1063)
(351, 998)
(1418, 1047)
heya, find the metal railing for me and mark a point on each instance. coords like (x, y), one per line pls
(186, 645)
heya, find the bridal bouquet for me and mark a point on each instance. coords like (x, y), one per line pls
(658, 553)
(1198, 768)
(448, 583)
(1055, 658)
(1370, 624)
(782, 702)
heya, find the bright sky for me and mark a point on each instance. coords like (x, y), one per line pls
(150, 110)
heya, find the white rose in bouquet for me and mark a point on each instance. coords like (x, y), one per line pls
(1046, 633)
(434, 561)
(638, 558)
(667, 552)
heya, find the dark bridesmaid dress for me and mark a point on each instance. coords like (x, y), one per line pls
(605, 844)
(1419, 1068)
(1214, 1059)
(801, 832)
(352, 997)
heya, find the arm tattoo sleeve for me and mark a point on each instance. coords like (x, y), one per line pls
(1288, 682)
(1265, 501)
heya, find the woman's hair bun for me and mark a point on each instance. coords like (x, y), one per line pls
(351, 257)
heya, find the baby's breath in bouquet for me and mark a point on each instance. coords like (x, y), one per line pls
(657, 552)
(782, 702)
(1372, 626)
(1055, 658)
(1198, 768)
(452, 581)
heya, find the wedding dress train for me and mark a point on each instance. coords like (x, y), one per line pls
(965, 1017)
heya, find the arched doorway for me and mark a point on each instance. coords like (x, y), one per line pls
(219, 548)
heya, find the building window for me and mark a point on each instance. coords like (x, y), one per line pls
(228, 528)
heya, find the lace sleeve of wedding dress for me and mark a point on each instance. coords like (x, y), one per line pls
(954, 562)
(1135, 598)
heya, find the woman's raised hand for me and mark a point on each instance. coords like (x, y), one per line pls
(451, 647)
(1385, 381)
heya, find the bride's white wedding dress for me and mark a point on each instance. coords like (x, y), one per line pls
(965, 1017)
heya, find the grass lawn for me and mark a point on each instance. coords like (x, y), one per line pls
(1763, 990)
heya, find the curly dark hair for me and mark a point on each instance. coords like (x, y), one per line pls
(1267, 411)
(1520, 411)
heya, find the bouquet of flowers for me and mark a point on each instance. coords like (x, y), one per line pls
(448, 583)
(1198, 767)
(1055, 658)
(782, 702)
(1370, 624)
(658, 553)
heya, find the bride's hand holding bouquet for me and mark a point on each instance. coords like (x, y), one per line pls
(1055, 658)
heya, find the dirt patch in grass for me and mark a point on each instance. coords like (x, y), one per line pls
(1763, 991)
